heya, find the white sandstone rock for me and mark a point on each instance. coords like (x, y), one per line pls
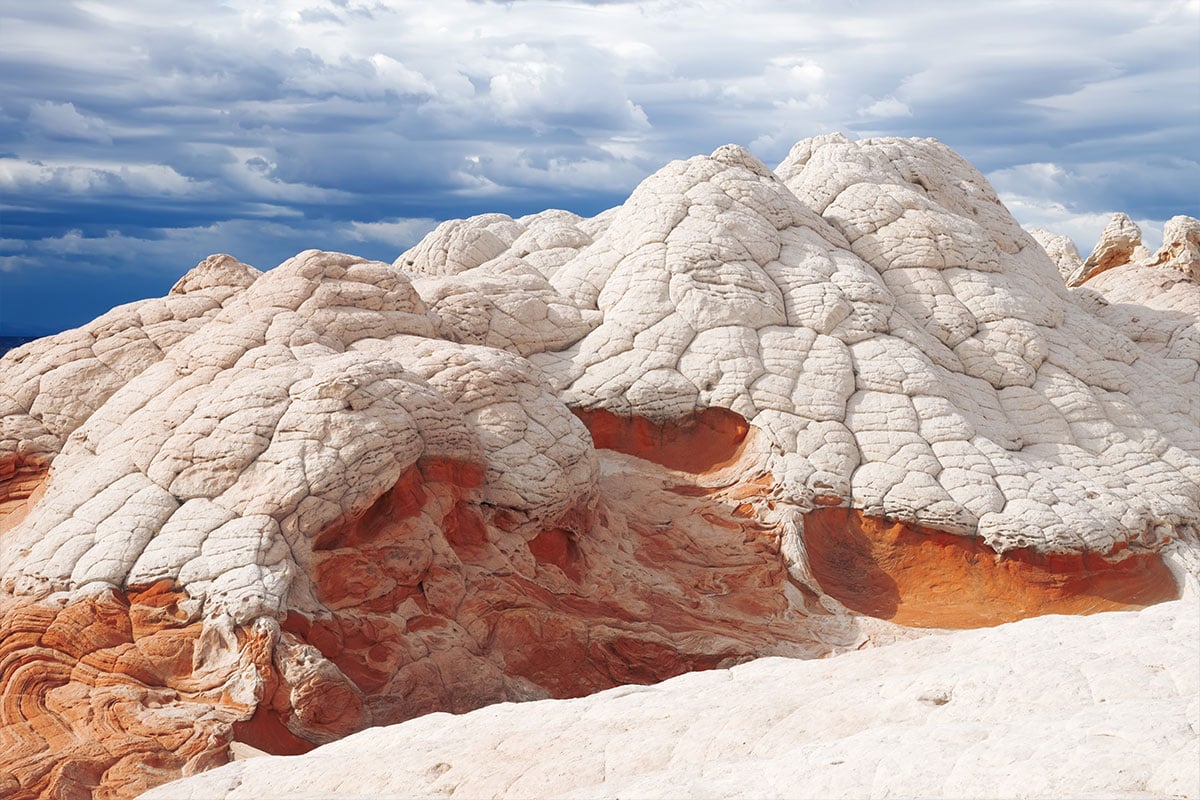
(870, 308)
(895, 342)
(1061, 249)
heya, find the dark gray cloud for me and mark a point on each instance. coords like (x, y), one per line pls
(138, 137)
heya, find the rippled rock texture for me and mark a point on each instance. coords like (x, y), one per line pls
(748, 412)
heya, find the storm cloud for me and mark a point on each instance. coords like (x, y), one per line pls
(138, 137)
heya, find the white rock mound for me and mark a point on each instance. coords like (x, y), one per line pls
(342, 491)
(904, 347)
(1061, 249)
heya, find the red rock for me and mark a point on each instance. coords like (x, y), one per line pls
(573, 609)
(22, 483)
(925, 578)
(100, 697)
(699, 442)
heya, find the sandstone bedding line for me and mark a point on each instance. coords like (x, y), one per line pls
(746, 413)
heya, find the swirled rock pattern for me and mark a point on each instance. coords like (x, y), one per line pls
(544, 456)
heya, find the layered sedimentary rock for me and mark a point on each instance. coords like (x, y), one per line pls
(748, 412)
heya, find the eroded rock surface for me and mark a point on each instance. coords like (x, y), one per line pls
(545, 456)
(1181, 247)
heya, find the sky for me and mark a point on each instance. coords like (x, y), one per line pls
(138, 137)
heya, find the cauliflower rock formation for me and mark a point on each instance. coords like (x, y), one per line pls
(748, 412)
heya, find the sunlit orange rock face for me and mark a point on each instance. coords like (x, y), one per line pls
(920, 577)
(698, 442)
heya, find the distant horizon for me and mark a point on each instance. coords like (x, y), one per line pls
(138, 138)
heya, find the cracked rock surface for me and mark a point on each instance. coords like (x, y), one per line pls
(545, 456)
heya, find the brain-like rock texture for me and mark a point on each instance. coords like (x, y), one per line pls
(748, 412)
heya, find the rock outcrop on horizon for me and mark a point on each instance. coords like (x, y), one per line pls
(746, 413)
(1121, 244)
(1061, 249)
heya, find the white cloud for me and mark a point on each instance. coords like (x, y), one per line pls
(637, 60)
(1078, 201)
(137, 180)
(347, 119)
(63, 120)
(174, 250)
(255, 176)
(402, 233)
(552, 86)
(886, 108)
(704, 71)
(786, 84)
(1041, 179)
(395, 75)
(1083, 227)
(1097, 102)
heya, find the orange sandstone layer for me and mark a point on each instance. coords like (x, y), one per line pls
(925, 578)
(699, 442)
(22, 483)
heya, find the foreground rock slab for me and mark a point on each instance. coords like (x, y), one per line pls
(1106, 706)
